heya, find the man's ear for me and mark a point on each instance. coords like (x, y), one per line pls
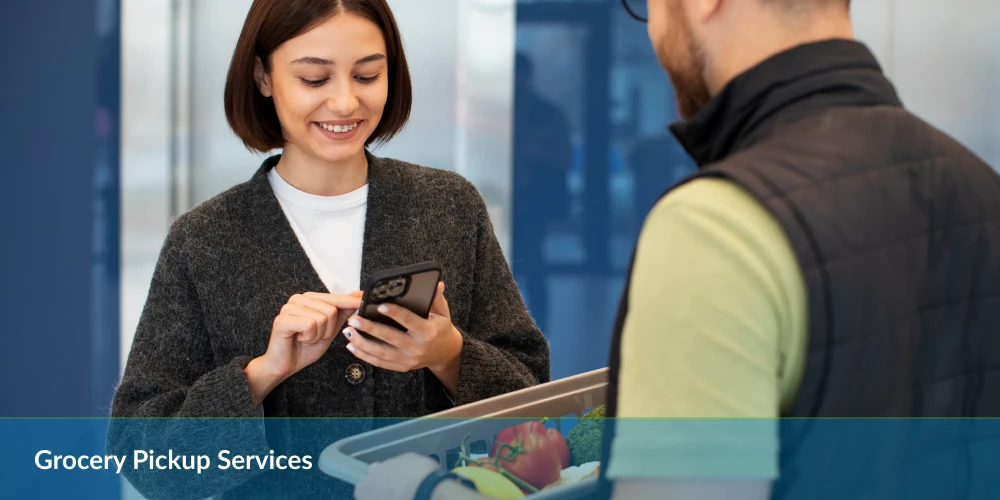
(702, 10)
(262, 79)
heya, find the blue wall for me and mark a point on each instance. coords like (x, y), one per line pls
(591, 155)
(59, 255)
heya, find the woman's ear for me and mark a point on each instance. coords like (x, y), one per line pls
(262, 78)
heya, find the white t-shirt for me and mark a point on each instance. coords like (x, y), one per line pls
(330, 229)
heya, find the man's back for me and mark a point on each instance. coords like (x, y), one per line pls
(897, 229)
(891, 225)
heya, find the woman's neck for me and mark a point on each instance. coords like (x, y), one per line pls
(317, 177)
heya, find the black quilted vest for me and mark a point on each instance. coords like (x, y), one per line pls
(896, 228)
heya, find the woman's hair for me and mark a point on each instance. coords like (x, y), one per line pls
(271, 23)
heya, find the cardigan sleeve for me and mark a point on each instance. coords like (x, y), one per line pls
(503, 350)
(171, 372)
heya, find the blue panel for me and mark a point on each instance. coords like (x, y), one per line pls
(591, 155)
(106, 232)
(59, 257)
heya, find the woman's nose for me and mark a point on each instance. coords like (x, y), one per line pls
(343, 101)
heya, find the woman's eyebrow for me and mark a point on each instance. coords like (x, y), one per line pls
(326, 62)
(370, 58)
(313, 60)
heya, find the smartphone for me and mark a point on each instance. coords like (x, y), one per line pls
(412, 287)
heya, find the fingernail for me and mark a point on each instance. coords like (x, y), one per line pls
(350, 347)
(383, 308)
(347, 332)
(354, 322)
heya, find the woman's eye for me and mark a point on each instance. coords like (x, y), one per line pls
(366, 79)
(314, 83)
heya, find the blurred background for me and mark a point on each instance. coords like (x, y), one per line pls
(556, 109)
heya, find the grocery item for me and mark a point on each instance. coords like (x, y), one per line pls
(528, 457)
(495, 464)
(532, 452)
(553, 438)
(575, 474)
(584, 440)
(490, 483)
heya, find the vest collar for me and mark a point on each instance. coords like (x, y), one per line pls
(783, 87)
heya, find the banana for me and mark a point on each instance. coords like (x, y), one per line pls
(490, 483)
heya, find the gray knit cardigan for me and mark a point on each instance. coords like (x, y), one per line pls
(224, 272)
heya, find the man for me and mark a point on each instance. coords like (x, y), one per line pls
(834, 256)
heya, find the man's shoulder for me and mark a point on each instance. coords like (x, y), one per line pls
(717, 216)
(708, 210)
(717, 196)
(719, 256)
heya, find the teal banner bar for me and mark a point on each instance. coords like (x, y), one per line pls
(877, 459)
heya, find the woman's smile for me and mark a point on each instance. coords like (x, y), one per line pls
(339, 130)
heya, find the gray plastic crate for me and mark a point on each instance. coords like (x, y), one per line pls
(435, 435)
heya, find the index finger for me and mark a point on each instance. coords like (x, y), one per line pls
(351, 301)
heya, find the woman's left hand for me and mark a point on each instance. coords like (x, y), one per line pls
(432, 343)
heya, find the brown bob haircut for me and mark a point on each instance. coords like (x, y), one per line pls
(271, 23)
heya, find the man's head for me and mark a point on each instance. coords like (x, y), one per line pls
(703, 44)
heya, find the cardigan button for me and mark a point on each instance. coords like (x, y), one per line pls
(355, 373)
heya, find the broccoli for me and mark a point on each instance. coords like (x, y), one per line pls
(584, 439)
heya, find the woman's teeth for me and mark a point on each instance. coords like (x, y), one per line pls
(339, 128)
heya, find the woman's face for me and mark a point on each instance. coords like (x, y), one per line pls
(329, 87)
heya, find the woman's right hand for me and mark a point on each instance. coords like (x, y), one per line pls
(300, 335)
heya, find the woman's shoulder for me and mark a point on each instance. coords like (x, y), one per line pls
(214, 212)
(428, 181)
(222, 214)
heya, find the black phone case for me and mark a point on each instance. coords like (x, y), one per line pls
(418, 295)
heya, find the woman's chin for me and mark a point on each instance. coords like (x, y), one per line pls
(339, 153)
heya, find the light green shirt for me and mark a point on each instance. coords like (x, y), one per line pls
(716, 328)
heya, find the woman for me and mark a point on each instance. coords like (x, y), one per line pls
(245, 305)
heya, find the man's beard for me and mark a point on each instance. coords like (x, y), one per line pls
(686, 67)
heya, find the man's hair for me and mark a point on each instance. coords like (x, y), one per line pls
(271, 23)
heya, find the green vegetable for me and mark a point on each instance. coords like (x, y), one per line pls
(584, 440)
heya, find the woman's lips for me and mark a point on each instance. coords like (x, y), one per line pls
(339, 132)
